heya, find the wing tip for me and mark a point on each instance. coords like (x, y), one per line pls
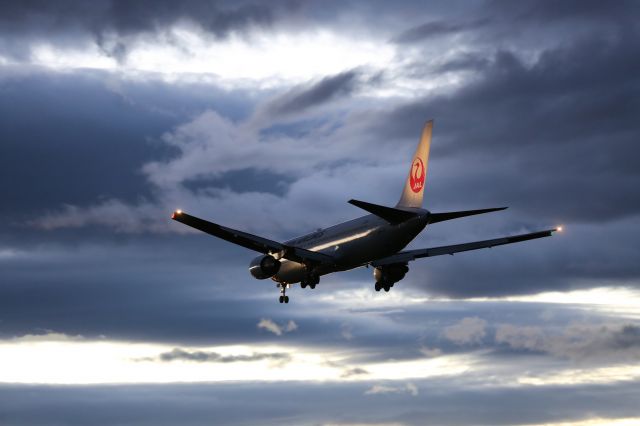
(175, 214)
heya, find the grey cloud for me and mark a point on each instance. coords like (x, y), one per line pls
(178, 354)
(583, 257)
(302, 98)
(277, 329)
(57, 127)
(243, 180)
(211, 146)
(565, 128)
(474, 135)
(571, 10)
(438, 28)
(443, 402)
(580, 342)
(114, 25)
(489, 147)
(381, 389)
(467, 61)
(467, 331)
(352, 372)
(217, 17)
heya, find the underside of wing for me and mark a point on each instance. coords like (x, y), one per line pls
(252, 242)
(407, 256)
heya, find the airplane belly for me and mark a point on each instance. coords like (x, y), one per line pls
(356, 253)
(384, 242)
(290, 272)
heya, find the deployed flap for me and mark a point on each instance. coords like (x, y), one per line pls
(440, 217)
(408, 256)
(390, 214)
(250, 241)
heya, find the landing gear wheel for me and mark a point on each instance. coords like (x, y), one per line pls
(378, 286)
(311, 280)
(387, 287)
(286, 299)
(281, 299)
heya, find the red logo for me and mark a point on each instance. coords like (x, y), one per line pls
(417, 175)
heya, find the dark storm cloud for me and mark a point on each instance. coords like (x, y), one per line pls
(466, 62)
(244, 180)
(178, 354)
(583, 257)
(571, 10)
(160, 290)
(553, 136)
(178, 290)
(196, 290)
(49, 142)
(567, 122)
(79, 138)
(442, 402)
(436, 29)
(555, 139)
(109, 22)
(302, 98)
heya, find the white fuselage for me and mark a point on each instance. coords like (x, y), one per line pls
(352, 244)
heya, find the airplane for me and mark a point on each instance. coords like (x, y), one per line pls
(376, 239)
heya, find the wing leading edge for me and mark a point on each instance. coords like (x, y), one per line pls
(409, 255)
(250, 241)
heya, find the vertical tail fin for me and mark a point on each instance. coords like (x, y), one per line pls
(414, 186)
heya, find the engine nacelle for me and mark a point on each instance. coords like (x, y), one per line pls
(390, 273)
(264, 267)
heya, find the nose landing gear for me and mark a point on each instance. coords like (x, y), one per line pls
(310, 281)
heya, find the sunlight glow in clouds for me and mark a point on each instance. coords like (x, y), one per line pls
(597, 422)
(622, 301)
(584, 376)
(60, 359)
(270, 58)
(68, 59)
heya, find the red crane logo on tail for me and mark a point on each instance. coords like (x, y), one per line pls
(416, 177)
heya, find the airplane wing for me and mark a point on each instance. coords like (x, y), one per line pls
(409, 255)
(250, 241)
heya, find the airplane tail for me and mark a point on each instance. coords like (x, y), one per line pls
(414, 187)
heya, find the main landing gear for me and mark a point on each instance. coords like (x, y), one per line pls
(383, 285)
(386, 276)
(310, 281)
(283, 297)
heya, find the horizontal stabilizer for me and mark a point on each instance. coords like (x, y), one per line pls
(390, 214)
(441, 217)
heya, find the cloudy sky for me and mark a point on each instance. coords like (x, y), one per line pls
(268, 117)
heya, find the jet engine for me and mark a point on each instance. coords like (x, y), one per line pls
(388, 275)
(264, 267)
